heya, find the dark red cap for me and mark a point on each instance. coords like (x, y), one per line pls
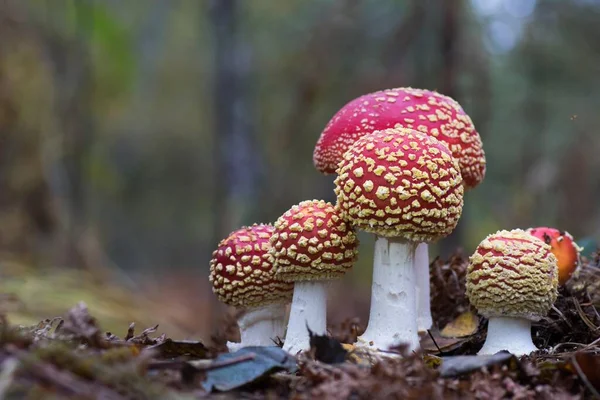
(241, 270)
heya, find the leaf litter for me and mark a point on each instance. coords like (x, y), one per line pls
(71, 357)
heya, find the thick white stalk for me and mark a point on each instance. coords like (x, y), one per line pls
(309, 308)
(510, 334)
(260, 326)
(393, 315)
(424, 320)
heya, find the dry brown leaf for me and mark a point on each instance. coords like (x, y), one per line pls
(465, 324)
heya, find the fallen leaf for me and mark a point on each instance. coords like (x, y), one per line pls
(465, 324)
(266, 361)
(176, 348)
(144, 337)
(327, 349)
(432, 362)
(359, 355)
(81, 325)
(587, 366)
(446, 345)
(458, 365)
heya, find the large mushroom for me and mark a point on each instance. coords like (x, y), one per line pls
(563, 247)
(311, 246)
(426, 111)
(405, 187)
(512, 280)
(242, 275)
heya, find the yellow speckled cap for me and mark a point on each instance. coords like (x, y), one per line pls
(312, 242)
(400, 183)
(512, 274)
(241, 269)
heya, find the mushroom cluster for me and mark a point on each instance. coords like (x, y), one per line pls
(404, 158)
(429, 112)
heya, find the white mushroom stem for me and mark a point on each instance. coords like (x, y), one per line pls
(393, 315)
(309, 309)
(424, 320)
(260, 326)
(510, 334)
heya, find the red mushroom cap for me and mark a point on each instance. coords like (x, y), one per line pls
(563, 247)
(241, 270)
(423, 110)
(312, 242)
(400, 183)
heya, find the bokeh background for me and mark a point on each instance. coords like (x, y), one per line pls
(134, 135)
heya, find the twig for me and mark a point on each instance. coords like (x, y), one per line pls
(583, 316)
(562, 316)
(592, 305)
(435, 343)
(594, 343)
(554, 349)
(584, 377)
(456, 280)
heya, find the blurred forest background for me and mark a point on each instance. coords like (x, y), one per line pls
(134, 135)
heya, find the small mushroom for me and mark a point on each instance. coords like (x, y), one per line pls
(512, 280)
(424, 110)
(311, 246)
(405, 187)
(563, 247)
(242, 275)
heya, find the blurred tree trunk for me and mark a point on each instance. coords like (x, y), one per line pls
(80, 138)
(450, 15)
(401, 40)
(25, 203)
(148, 43)
(66, 170)
(450, 10)
(236, 165)
(74, 76)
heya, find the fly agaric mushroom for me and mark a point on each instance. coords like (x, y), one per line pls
(423, 110)
(404, 187)
(512, 280)
(242, 275)
(311, 246)
(563, 247)
(420, 109)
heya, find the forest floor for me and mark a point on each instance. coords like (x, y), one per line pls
(72, 357)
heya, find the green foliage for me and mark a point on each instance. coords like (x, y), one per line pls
(109, 45)
(96, 28)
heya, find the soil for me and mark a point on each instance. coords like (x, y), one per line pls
(71, 357)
